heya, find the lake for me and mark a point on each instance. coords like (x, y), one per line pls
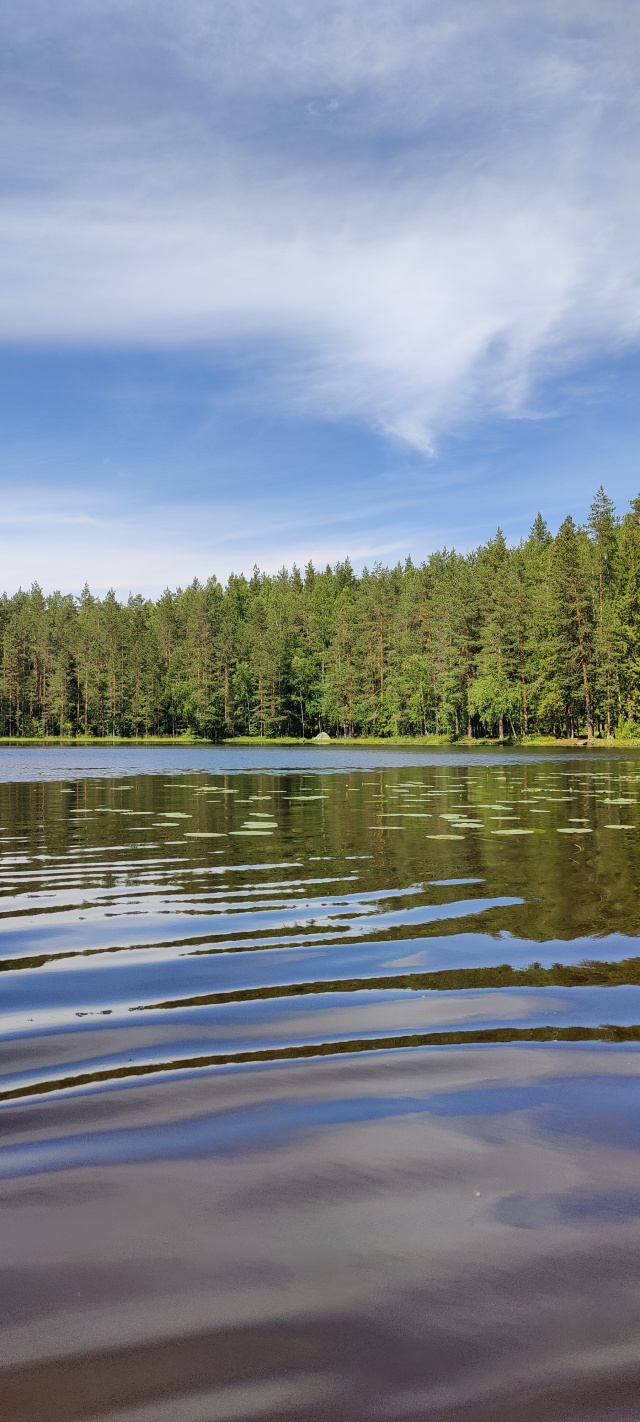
(319, 1094)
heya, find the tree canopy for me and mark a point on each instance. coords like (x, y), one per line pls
(541, 638)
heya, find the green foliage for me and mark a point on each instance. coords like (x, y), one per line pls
(628, 731)
(539, 639)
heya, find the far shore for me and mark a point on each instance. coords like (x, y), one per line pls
(441, 742)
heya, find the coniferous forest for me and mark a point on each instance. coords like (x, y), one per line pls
(538, 639)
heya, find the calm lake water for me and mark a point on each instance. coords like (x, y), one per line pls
(290, 1126)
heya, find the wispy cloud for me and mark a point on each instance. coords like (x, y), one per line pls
(425, 211)
(170, 546)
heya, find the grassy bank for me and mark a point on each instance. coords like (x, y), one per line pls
(577, 743)
(104, 741)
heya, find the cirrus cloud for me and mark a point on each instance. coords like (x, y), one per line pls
(422, 215)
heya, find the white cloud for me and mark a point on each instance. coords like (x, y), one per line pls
(424, 211)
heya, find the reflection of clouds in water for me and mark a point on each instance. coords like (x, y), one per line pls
(359, 1230)
(421, 1223)
(241, 1401)
(541, 1211)
(351, 1015)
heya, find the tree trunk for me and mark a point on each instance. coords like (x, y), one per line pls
(523, 682)
(583, 664)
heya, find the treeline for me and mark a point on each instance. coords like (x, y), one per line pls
(543, 638)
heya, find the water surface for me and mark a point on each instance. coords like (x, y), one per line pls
(319, 1087)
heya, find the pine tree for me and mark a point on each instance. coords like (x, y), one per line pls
(543, 637)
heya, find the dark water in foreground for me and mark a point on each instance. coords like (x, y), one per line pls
(319, 1094)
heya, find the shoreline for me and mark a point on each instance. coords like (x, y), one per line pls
(432, 742)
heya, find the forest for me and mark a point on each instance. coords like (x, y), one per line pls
(540, 639)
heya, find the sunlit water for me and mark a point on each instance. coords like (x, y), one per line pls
(319, 1091)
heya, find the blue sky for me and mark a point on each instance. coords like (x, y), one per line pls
(281, 281)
